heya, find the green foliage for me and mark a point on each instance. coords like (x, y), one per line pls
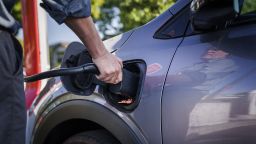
(115, 16)
(249, 6)
(96, 6)
(138, 12)
(17, 11)
(130, 13)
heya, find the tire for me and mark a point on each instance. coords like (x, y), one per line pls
(92, 137)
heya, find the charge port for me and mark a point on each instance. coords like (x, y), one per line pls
(124, 102)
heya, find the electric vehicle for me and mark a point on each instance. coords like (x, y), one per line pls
(196, 69)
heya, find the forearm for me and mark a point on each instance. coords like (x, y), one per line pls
(86, 31)
(76, 15)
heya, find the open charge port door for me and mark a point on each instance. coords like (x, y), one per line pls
(125, 96)
(134, 85)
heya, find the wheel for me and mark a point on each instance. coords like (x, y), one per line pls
(92, 137)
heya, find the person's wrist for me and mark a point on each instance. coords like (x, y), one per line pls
(100, 55)
(99, 52)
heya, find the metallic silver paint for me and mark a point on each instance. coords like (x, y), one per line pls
(209, 96)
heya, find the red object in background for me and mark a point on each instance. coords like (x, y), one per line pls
(31, 47)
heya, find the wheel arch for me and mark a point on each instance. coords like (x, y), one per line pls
(89, 111)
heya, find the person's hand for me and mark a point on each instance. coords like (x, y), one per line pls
(110, 67)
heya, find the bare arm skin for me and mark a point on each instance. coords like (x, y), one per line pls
(109, 65)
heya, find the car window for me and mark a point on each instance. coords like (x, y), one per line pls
(175, 27)
(248, 13)
(247, 16)
(249, 7)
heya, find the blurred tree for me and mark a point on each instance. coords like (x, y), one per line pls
(138, 12)
(17, 11)
(249, 6)
(114, 16)
(119, 16)
(96, 8)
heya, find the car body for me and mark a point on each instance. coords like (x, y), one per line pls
(199, 88)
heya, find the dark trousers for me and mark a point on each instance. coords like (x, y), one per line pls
(12, 99)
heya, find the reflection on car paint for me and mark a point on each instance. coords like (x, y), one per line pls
(211, 100)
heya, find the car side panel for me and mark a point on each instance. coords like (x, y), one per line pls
(209, 96)
(146, 119)
(157, 55)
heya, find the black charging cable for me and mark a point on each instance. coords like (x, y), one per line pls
(86, 68)
(127, 87)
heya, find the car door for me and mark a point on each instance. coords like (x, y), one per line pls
(210, 90)
(152, 44)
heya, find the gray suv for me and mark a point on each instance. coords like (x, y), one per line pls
(197, 69)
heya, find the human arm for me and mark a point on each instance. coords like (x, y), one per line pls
(76, 15)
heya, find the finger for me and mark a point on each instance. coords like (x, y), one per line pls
(119, 78)
(120, 61)
(115, 76)
(120, 73)
(102, 77)
(107, 79)
(118, 69)
(97, 76)
(115, 81)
